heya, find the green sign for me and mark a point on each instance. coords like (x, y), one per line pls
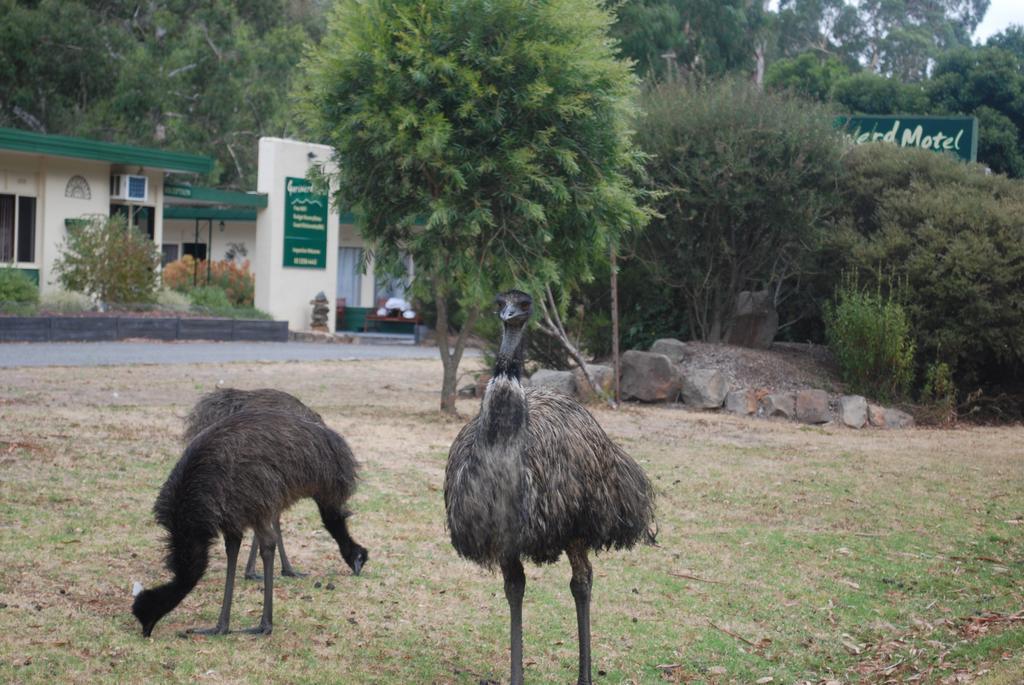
(958, 135)
(305, 225)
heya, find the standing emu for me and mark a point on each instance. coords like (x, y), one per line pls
(534, 475)
(240, 473)
(214, 406)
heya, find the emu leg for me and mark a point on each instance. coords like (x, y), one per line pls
(580, 585)
(232, 544)
(250, 565)
(267, 551)
(286, 566)
(515, 588)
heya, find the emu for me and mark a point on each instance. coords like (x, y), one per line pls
(216, 405)
(533, 475)
(240, 473)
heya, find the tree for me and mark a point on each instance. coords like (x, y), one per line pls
(110, 260)
(807, 74)
(747, 179)
(867, 93)
(501, 125)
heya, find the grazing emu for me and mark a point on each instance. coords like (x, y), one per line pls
(213, 407)
(239, 473)
(534, 475)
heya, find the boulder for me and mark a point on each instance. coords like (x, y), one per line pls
(468, 390)
(557, 381)
(605, 377)
(853, 411)
(894, 418)
(781, 404)
(704, 388)
(812, 406)
(755, 322)
(648, 377)
(743, 402)
(671, 348)
(876, 415)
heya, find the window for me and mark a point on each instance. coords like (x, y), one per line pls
(17, 229)
(141, 217)
(169, 253)
(195, 250)
(349, 282)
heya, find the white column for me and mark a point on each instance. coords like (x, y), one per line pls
(285, 291)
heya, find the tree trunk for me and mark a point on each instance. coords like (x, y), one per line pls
(552, 325)
(450, 358)
(615, 326)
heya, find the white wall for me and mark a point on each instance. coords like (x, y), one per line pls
(285, 292)
(178, 231)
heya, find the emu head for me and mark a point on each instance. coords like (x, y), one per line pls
(514, 308)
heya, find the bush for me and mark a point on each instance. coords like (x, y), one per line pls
(235, 280)
(745, 179)
(209, 298)
(65, 302)
(954, 238)
(870, 337)
(106, 258)
(172, 301)
(18, 293)
(938, 396)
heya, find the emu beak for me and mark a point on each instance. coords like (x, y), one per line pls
(357, 566)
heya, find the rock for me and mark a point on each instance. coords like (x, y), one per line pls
(671, 348)
(557, 381)
(468, 390)
(853, 411)
(605, 376)
(756, 322)
(648, 377)
(778, 404)
(743, 402)
(876, 415)
(894, 418)
(704, 388)
(812, 406)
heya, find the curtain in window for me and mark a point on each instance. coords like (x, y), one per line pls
(6, 228)
(349, 260)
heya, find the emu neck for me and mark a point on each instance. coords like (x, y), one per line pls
(510, 354)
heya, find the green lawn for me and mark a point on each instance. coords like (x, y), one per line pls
(799, 554)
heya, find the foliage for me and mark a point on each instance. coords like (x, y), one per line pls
(870, 337)
(938, 396)
(65, 301)
(107, 258)
(954, 236)
(807, 74)
(18, 293)
(700, 37)
(988, 83)
(234, 279)
(214, 301)
(172, 301)
(747, 178)
(867, 93)
(206, 77)
(501, 125)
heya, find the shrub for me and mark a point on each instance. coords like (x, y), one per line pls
(18, 293)
(209, 298)
(172, 301)
(938, 396)
(870, 337)
(107, 258)
(65, 302)
(954, 237)
(235, 280)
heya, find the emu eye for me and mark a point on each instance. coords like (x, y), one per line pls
(524, 305)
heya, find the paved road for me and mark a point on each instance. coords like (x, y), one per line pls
(120, 353)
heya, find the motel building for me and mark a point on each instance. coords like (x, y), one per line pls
(296, 244)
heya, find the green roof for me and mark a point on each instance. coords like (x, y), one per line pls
(83, 148)
(213, 213)
(183, 193)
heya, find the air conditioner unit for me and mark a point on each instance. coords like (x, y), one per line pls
(129, 187)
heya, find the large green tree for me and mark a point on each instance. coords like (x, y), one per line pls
(486, 138)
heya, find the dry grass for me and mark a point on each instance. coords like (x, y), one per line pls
(803, 554)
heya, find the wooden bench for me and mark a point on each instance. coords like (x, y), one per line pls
(377, 319)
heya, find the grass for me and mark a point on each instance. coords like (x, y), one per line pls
(804, 556)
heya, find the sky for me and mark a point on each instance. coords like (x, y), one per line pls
(1001, 13)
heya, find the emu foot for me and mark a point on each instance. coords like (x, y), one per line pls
(261, 629)
(216, 630)
(291, 573)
